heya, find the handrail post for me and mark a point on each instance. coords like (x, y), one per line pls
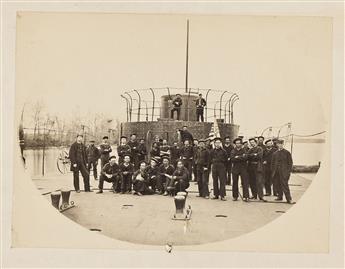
(139, 105)
(153, 102)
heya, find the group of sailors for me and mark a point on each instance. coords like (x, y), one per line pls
(263, 166)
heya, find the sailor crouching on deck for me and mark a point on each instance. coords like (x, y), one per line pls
(218, 158)
(180, 178)
(239, 168)
(281, 168)
(164, 170)
(78, 157)
(110, 173)
(141, 181)
(256, 170)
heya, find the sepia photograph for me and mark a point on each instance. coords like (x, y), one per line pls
(172, 132)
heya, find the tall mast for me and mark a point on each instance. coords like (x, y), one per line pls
(187, 51)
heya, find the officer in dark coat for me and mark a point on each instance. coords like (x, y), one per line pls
(200, 104)
(134, 145)
(255, 170)
(239, 160)
(93, 155)
(110, 173)
(123, 149)
(142, 151)
(268, 152)
(78, 157)
(177, 103)
(202, 159)
(187, 154)
(195, 150)
(281, 167)
(105, 150)
(218, 158)
(228, 147)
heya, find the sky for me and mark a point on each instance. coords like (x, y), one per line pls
(281, 67)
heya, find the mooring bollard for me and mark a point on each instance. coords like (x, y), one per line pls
(55, 197)
(184, 194)
(179, 203)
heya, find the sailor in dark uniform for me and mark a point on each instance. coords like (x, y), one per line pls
(195, 149)
(174, 153)
(281, 169)
(180, 178)
(164, 170)
(152, 173)
(261, 140)
(134, 144)
(123, 149)
(239, 160)
(105, 150)
(177, 103)
(267, 160)
(127, 170)
(218, 158)
(141, 181)
(255, 170)
(110, 173)
(228, 147)
(245, 145)
(200, 104)
(164, 148)
(77, 155)
(142, 151)
(155, 151)
(185, 134)
(93, 155)
(202, 159)
(187, 154)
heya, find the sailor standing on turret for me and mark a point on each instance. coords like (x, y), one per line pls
(200, 104)
(177, 103)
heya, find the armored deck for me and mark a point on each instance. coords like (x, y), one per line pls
(147, 219)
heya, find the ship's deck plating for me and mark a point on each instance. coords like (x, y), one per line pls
(147, 219)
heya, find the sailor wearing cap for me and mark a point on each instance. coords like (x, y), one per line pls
(255, 170)
(134, 145)
(93, 155)
(165, 171)
(152, 173)
(110, 173)
(281, 169)
(267, 160)
(200, 104)
(187, 153)
(123, 149)
(228, 147)
(261, 140)
(127, 170)
(177, 103)
(140, 181)
(202, 159)
(105, 150)
(218, 158)
(78, 157)
(239, 161)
